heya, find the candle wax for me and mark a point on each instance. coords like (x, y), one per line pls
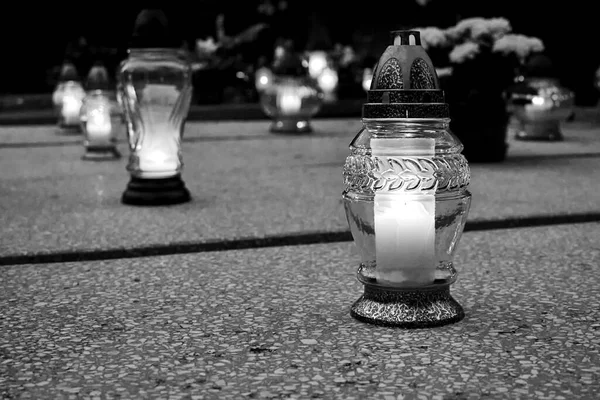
(159, 151)
(405, 239)
(98, 126)
(404, 221)
(70, 110)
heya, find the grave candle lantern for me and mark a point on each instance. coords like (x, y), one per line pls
(293, 97)
(155, 92)
(67, 98)
(540, 105)
(100, 117)
(406, 197)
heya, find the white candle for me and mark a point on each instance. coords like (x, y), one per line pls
(71, 106)
(404, 221)
(98, 125)
(158, 150)
(289, 101)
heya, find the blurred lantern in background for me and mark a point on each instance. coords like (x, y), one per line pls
(328, 82)
(100, 116)
(539, 105)
(367, 77)
(67, 98)
(318, 60)
(538, 102)
(293, 98)
(156, 90)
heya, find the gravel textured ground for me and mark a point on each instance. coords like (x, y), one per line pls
(274, 323)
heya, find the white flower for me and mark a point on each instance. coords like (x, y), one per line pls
(463, 52)
(464, 27)
(520, 45)
(432, 37)
(206, 47)
(477, 28)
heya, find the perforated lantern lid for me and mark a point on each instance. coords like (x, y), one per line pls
(289, 63)
(68, 72)
(405, 84)
(152, 30)
(97, 78)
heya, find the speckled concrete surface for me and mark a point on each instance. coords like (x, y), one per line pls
(51, 200)
(274, 323)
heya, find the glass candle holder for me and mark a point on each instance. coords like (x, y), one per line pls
(101, 123)
(291, 102)
(155, 92)
(539, 105)
(406, 197)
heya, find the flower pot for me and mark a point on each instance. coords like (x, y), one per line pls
(481, 122)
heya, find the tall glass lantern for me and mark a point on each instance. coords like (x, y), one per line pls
(406, 197)
(67, 98)
(155, 85)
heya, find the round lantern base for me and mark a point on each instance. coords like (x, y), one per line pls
(156, 192)
(543, 131)
(291, 126)
(408, 308)
(101, 154)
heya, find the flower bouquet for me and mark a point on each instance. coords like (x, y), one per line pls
(477, 60)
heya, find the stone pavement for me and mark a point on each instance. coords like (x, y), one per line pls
(102, 300)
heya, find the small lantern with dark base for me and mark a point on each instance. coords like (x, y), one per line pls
(67, 99)
(155, 92)
(293, 97)
(100, 117)
(538, 102)
(406, 197)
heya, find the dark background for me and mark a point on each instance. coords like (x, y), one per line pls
(35, 38)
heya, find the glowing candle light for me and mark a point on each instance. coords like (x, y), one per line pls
(367, 78)
(263, 79)
(71, 106)
(317, 62)
(289, 101)
(328, 81)
(98, 125)
(404, 221)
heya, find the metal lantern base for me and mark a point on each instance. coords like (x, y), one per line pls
(407, 308)
(101, 154)
(542, 131)
(156, 192)
(291, 126)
